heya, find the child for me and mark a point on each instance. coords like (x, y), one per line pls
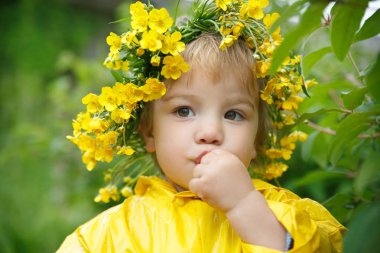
(204, 133)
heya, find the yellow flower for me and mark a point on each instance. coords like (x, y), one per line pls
(126, 191)
(108, 98)
(227, 41)
(254, 8)
(91, 100)
(139, 17)
(174, 66)
(222, 4)
(159, 20)
(295, 60)
(262, 68)
(267, 47)
(299, 135)
(250, 42)
(108, 193)
(119, 115)
(310, 83)
(172, 44)
(153, 89)
(140, 51)
(278, 125)
(288, 142)
(155, 60)
(136, 7)
(236, 29)
(105, 146)
(129, 38)
(114, 41)
(225, 30)
(128, 180)
(286, 154)
(108, 139)
(151, 40)
(275, 170)
(127, 94)
(276, 36)
(107, 176)
(123, 65)
(109, 61)
(266, 94)
(125, 150)
(113, 62)
(86, 143)
(288, 119)
(89, 160)
(292, 102)
(84, 120)
(275, 153)
(76, 128)
(97, 125)
(269, 19)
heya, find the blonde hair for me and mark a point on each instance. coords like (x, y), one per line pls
(204, 52)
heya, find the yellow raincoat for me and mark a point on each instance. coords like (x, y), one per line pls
(159, 219)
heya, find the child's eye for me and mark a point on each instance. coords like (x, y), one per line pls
(233, 115)
(184, 112)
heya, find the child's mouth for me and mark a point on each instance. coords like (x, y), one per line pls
(199, 158)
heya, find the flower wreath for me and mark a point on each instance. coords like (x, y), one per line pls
(141, 58)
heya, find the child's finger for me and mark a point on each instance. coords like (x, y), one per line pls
(198, 171)
(208, 157)
(194, 185)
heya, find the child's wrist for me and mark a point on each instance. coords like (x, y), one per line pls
(244, 203)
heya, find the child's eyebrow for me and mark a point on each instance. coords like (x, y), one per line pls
(231, 100)
(179, 95)
(244, 101)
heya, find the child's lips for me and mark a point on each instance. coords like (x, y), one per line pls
(198, 159)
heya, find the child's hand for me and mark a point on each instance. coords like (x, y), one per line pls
(221, 180)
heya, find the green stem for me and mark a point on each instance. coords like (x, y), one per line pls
(176, 12)
(355, 66)
(277, 182)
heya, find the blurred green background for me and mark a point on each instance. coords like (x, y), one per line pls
(51, 56)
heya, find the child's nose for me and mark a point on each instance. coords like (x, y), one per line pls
(209, 132)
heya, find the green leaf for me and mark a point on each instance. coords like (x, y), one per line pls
(363, 233)
(120, 20)
(370, 28)
(338, 206)
(345, 23)
(310, 20)
(292, 10)
(312, 58)
(117, 76)
(314, 148)
(306, 116)
(317, 176)
(372, 79)
(347, 131)
(369, 172)
(307, 146)
(354, 98)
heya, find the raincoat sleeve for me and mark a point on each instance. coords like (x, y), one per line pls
(72, 243)
(311, 226)
(105, 233)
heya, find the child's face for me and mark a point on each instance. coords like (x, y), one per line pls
(199, 114)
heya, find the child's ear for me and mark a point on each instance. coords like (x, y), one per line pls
(149, 142)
